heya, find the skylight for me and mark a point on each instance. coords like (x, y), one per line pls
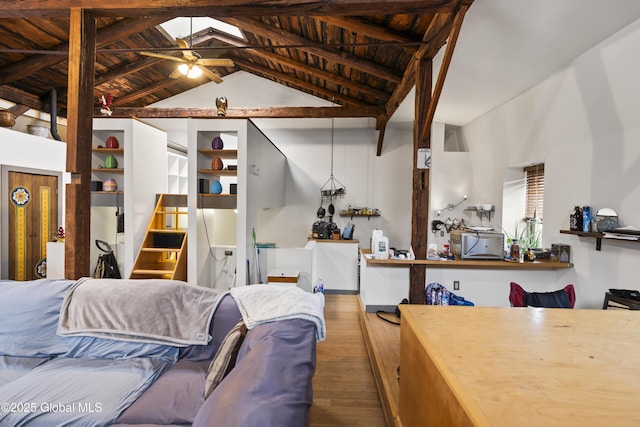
(181, 27)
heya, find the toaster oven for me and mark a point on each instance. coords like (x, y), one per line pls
(477, 244)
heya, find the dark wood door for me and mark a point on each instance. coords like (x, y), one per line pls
(33, 220)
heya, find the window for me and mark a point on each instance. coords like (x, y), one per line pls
(534, 191)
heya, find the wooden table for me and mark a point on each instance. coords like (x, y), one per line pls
(493, 366)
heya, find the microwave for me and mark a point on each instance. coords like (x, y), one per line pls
(477, 244)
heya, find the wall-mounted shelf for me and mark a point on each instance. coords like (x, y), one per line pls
(368, 216)
(481, 212)
(597, 236)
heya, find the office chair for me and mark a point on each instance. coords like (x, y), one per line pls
(562, 298)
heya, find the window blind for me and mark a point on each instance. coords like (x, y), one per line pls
(534, 188)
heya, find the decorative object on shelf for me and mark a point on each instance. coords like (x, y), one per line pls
(332, 188)
(575, 220)
(96, 185)
(605, 220)
(216, 187)
(7, 118)
(217, 164)
(221, 104)
(105, 101)
(37, 130)
(217, 143)
(112, 142)
(59, 235)
(110, 185)
(111, 162)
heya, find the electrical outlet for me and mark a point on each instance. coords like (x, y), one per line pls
(456, 285)
(228, 253)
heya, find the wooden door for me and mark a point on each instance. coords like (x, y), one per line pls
(33, 220)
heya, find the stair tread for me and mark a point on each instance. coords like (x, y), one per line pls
(160, 249)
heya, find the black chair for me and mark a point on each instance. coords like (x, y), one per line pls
(562, 298)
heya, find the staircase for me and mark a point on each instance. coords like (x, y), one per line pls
(163, 254)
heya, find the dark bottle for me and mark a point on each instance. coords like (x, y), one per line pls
(576, 219)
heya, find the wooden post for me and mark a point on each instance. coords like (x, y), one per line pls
(82, 53)
(420, 197)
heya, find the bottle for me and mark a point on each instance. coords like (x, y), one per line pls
(586, 219)
(319, 287)
(577, 219)
(515, 251)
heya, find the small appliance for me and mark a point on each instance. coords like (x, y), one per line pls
(477, 244)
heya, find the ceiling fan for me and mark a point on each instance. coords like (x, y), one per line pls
(193, 65)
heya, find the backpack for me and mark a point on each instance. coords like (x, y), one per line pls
(436, 294)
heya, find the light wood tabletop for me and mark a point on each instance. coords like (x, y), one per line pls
(505, 367)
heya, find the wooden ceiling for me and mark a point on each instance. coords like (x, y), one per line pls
(359, 55)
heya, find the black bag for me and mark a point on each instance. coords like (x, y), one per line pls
(107, 266)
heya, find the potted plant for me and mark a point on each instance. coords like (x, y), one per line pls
(527, 233)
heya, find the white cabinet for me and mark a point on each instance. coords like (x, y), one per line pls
(141, 175)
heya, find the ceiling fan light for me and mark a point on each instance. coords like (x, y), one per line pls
(194, 72)
(183, 68)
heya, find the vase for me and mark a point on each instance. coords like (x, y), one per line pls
(111, 162)
(217, 164)
(216, 187)
(112, 142)
(217, 143)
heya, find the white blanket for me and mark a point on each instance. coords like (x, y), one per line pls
(268, 303)
(154, 311)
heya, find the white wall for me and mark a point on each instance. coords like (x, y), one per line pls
(583, 123)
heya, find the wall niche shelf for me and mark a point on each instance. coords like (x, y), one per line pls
(597, 236)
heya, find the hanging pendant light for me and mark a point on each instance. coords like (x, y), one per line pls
(332, 188)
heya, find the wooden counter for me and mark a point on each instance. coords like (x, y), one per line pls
(489, 264)
(505, 367)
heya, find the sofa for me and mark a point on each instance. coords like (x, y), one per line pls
(53, 375)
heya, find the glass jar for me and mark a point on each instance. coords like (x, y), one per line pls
(514, 253)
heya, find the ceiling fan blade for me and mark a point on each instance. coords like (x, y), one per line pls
(216, 62)
(187, 53)
(163, 56)
(176, 74)
(211, 75)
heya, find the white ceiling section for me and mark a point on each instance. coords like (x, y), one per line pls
(507, 46)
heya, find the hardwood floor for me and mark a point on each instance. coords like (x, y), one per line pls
(344, 388)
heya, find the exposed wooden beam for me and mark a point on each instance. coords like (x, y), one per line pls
(20, 97)
(408, 79)
(82, 48)
(245, 113)
(141, 92)
(279, 36)
(19, 109)
(366, 28)
(446, 61)
(112, 33)
(421, 180)
(298, 83)
(222, 8)
(285, 61)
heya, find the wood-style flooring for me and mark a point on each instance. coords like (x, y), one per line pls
(344, 389)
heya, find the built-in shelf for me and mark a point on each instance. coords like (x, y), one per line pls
(108, 170)
(223, 154)
(222, 172)
(108, 150)
(217, 201)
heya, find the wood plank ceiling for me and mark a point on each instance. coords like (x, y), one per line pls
(359, 55)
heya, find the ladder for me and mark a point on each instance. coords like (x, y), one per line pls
(163, 254)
